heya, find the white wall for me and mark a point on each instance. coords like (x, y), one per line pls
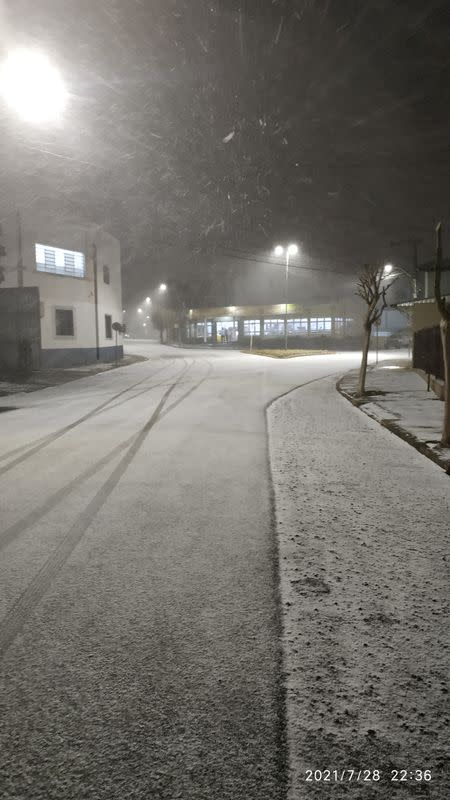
(61, 290)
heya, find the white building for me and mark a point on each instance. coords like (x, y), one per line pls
(76, 269)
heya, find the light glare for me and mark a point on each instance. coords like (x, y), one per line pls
(32, 86)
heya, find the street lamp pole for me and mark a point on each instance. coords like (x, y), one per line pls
(397, 272)
(286, 295)
(290, 250)
(415, 261)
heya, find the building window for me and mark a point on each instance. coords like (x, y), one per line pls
(252, 326)
(69, 261)
(106, 275)
(60, 262)
(320, 323)
(297, 326)
(273, 327)
(201, 329)
(49, 258)
(64, 322)
(108, 326)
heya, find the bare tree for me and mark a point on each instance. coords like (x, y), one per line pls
(164, 320)
(444, 310)
(370, 289)
(158, 321)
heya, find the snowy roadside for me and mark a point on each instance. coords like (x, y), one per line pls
(363, 537)
(45, 378)
(399, 400)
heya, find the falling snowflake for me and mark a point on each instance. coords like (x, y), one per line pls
(228, 138)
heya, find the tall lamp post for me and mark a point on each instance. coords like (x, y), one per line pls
(290, 250)
(395, 272)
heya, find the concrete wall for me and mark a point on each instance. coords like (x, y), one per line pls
(425, 315)
(20, 330)
(67, 291)
(393, 320)
(69, 357)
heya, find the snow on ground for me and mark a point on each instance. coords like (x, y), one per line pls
(363, 537)
(403, 398)
(44, 378)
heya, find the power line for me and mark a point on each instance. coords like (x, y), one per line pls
(292, 267)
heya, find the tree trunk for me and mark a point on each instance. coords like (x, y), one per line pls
(445, 338)
(365, 355)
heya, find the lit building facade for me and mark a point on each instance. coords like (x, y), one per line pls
(267, 322)
(76, 270)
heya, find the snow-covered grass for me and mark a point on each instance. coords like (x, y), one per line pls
(398, 398)
(293, 353)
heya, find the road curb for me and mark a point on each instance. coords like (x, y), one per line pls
(392, 426)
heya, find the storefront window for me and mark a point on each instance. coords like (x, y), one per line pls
(201, 329)
(274, 327)
(252, 326)
(297, 326)
(320, 323)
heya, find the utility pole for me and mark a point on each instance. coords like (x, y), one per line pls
(2, 254)
(19, 251)
(377, 328)
(94, 265)
(414, 243)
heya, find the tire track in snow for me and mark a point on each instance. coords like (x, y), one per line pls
(39, 445)
(24, 606)
(13, 531)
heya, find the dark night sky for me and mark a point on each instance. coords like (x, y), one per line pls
(339, 112)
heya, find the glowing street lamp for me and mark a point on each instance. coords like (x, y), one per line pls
(139, 310)
(148, 300)
(290, 250)
(32, 86)
(396, 272)
(163, 287)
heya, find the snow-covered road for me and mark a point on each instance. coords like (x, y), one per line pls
(139, 629)
(139, 613)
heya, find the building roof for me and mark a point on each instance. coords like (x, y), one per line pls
(257, 311)
(411, 303)
(430, 266)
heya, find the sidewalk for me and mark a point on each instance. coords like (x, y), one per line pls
(399, 400)
(364, 542)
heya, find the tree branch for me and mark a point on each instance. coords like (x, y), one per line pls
(440, 300)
